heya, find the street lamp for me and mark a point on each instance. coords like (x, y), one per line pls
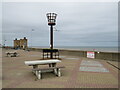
(31, 37)
(51, 22)
(4, 42)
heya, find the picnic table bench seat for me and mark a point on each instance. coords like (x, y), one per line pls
(38, 71)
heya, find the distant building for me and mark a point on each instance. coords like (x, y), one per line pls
(22, 43)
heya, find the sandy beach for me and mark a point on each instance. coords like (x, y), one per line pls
(79, 72)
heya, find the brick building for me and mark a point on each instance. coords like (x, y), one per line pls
(22, 43)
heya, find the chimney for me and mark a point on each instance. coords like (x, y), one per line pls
(24, 37)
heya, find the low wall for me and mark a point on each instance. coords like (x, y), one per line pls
(112, 56)
(35, 49)
(107, 56)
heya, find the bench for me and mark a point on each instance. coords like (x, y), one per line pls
(12, 54)
(38, 71)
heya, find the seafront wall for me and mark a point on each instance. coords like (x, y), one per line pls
(112, 56)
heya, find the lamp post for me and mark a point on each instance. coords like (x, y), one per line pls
(51, 22)
(31, 37)
(4, 42)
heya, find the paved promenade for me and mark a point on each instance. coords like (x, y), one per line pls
(79, 72)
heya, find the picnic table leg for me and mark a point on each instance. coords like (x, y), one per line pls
(59, 73)
(34, 67)
(39, 75)
(36, 72)
(55, 71)
(50, 65)
(53, 64)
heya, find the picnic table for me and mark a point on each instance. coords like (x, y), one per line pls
(52, 67)
(12, 54)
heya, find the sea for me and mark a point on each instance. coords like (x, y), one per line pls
(84, 48)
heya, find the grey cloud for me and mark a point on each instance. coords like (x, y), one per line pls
(79, 23)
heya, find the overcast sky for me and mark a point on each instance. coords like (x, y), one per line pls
(78, 23)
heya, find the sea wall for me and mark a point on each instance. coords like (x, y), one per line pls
(112, 56)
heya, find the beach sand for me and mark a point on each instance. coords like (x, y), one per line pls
(79, 72)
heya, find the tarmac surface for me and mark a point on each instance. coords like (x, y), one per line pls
(79, 72)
